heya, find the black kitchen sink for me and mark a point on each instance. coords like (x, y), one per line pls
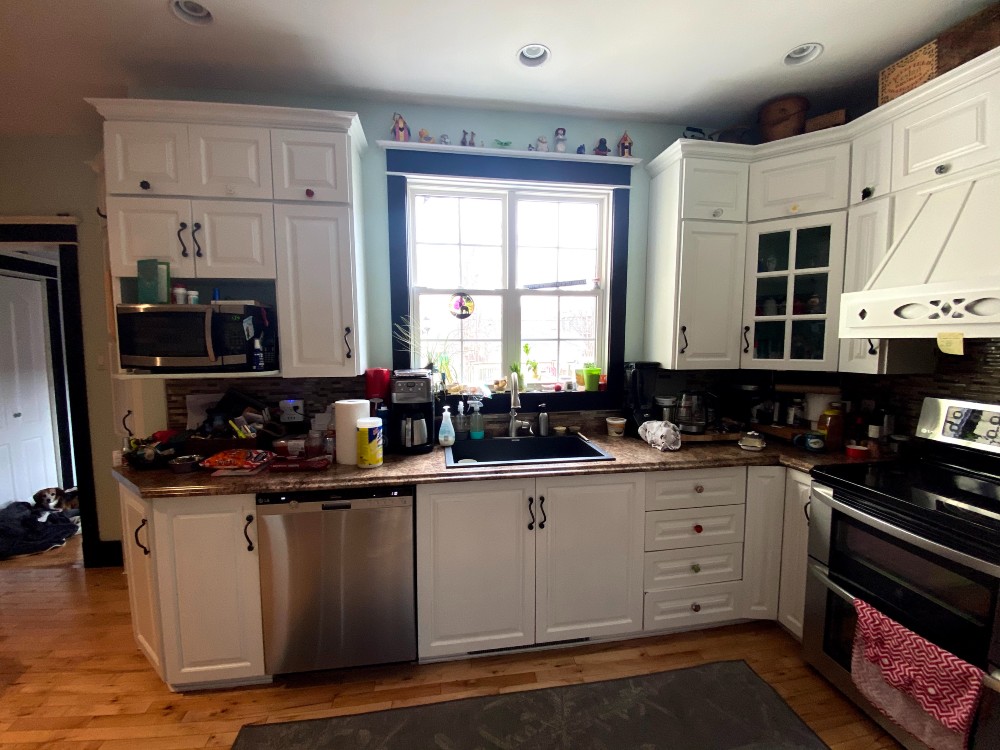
(522, 450)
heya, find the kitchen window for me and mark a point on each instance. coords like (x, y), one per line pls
(503, 272)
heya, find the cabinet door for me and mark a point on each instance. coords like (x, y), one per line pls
(311, 165)
(475, 566)
(762, 545)
(230, 162)
(711, 295)
(146, 158)
(714, 189)
(869, 229)
(233, 239)
(138, 551)
(791, 300)
(209, 583)
(315, 291)
(871, 164)
(800, 183)
(589, 556)
(957, 131)
(158, 228)
(794, 552)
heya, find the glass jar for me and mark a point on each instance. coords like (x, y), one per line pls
(314, 444)
(831, 424)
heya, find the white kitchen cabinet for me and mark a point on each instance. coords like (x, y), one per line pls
(694, 527)
(319, 322)
(871, 164)
(762, 541)
(695, 260)
(169, 158)
(475, 566)
(200, 239)
(311, 165)
(692, 606)
(514, 562)
(794, 552)
(194, 588)
(138, 550)
(803, 182)
(696, 488)
(692, 566)
(791, 300)
(957, 131)
(869, 234)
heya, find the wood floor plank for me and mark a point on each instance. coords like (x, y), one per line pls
(71, 677)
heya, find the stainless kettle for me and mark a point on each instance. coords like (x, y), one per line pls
(691, 413)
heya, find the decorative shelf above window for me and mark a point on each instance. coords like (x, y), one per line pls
(508, 152)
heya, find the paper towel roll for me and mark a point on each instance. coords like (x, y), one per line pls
(346, 414)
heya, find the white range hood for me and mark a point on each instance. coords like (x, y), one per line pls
(942, 273)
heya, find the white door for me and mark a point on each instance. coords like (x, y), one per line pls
(711, 295)
(233, 239)
(794, 552)
(230, 162)
(139, 557)
(475, 566)
(315, 291)
(762, 545)
(311, 165)
(589, 556)
(209, 583)
(871, 170)
(799, 183)
(28, 460)
(158, 228)
(146, 158)
(714, 189)
(869, 228)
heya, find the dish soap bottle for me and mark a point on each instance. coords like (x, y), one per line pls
(446, 435)
(476, 429)
(461, 423)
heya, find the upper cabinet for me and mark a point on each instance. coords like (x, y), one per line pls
(803, 182)
(954, 132)
(167, 158)
(311, 166)
(871, 164)
(714, 189)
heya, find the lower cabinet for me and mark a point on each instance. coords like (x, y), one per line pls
(194, 587)
(509, 563)
(794, 552)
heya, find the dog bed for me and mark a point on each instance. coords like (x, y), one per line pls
(26, 529)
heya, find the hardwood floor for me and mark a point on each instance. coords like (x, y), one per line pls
(71, 676)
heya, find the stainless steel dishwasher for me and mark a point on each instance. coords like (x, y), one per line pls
(337, 578)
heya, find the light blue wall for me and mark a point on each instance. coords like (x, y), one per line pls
(519, 128)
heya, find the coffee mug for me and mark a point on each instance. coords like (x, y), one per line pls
(811, 441)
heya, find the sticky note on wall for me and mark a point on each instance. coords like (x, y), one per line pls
(951, 342)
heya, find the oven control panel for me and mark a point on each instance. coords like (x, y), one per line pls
(966, 423)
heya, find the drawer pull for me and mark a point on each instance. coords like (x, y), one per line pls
(696, 607)
(717, 213)
(699, 488)
(698, 528)
(310, 192)
(942, 169)
(695, 568)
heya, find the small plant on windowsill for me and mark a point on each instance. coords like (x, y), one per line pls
(407, 335)
(532, 364)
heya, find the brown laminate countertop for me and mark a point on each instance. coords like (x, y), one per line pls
(631, 454)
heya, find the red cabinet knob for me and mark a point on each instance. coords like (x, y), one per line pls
(698, 528)
(310, 193)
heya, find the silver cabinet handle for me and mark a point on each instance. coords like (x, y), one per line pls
(717, 213)
(942, 169)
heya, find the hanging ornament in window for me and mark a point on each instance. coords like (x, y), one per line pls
(461, 305)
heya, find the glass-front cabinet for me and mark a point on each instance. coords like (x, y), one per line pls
(794, 277)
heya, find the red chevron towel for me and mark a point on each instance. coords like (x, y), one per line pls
(911, 680)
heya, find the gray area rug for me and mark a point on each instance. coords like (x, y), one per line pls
(714, 706)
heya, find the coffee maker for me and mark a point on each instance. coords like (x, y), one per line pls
(411, 412)
(640, 390)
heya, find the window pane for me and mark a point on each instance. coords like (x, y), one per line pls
(575, 264)
(487, 320)
(481, 363)
(437, 266)
(545, 354)
(573, 355)
(536, 265)
(537, 223)
(579, 224)
(539, 318)
(578, 317)
(482, 267)
(436, 219)
(482, 221)
(436, 320)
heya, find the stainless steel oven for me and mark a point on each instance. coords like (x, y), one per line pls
(918, 539)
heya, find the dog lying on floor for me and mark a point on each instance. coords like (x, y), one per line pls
(56, 498)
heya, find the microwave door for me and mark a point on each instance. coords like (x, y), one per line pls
(166, 336)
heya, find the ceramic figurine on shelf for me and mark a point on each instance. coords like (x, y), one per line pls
(501, 144)
(465, 138)
(472, 137)
(561, 140)
(542, 144)
(531, 147)
(444, 140)
(424, 136)
(602, 147)
(400, 130)
(625, 145)
(581, 149)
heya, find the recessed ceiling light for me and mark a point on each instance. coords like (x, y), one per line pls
(191, 12)
(533, 55)
(804, 53)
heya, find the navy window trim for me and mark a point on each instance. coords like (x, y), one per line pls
(450, 164)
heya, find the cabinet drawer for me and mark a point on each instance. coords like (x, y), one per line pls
(674, 568)
(696, 488)
(691, 606)
(694, 527)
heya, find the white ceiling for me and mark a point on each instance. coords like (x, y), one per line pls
(669, 61)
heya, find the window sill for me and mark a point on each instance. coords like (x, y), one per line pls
(509, 152)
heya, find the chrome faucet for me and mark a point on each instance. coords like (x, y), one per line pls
(515, 404)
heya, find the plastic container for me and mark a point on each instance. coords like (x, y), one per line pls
(446, 433)
(616, 426)
(461, 423)
(831, 426)
(369, 442)
(592, 378)
(477, 430)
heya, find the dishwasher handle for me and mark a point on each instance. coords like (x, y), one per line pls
(342, 505)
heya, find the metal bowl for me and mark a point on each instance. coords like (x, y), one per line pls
(184, 464)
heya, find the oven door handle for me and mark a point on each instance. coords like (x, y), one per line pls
(825, 495)
(818, 572)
